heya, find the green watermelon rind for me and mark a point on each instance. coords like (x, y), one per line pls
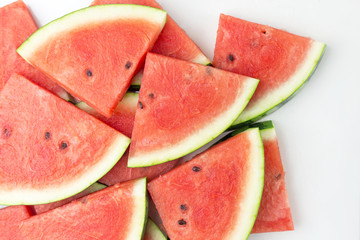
(59, 192)
(205, 135)
(87, 16)
(311, 65)
(154, 231)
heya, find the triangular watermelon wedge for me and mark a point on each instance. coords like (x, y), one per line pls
(115, 213)
(16, 26)
(49, 149)
(282, 62)
(217, 194)
(94, 52)
(182, 106)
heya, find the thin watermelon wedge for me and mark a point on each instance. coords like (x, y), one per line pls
(282, 62)
(182, 106)
(41, 208)
(71, 50)
(123, 121)
(10, 221)
(16, 26)
(49, 149)
(153, 232)
(217, 194)
(101, 215)
(274, 213)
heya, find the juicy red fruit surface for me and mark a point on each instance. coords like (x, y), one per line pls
(10, 221)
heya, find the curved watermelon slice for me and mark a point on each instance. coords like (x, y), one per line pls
(71, 50)
(153, 232)
(100, 215)
(274, 212)
(282, 61)
(47, 207)
(183, 106)
(16, 26)
(10, 221)
(123, 121)
(216, 195)
(49, 149)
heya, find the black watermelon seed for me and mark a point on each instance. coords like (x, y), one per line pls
(183, 207)
(141, 105)
(278, 176)
(151, 95)
(264, 31)
(231, 57)
(63, 145)
(196, 169)
(6, 132)
(88, 73)
(182, 222)
(47, 135)
(128, 65)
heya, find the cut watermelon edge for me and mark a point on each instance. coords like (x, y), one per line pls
(203, 136)
(282, 95)
(245, 222)
(87, 16)
(59, 192)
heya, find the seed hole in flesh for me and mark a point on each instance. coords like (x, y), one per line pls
(6, 132)
(196, 169)
(182, 222)
(183, 207)
(231, 57)
(63, 145)
(47, 135)
(88, 73)
(278, 176)
(141, 105)
(151, 95)
(128, 65)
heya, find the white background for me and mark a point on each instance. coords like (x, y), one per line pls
(317, 130)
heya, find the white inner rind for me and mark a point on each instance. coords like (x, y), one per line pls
(139, 217)
(268, 134)
(280, 94)
(32, 196)
(201, 59)
(250, 204)
(204, 135)
(87, 16)
(153, 231)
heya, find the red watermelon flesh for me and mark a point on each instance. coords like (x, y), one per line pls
(280, 60)
(274, 212)
(101, 215)
(123, 121)
(47, 207)
(71, 50)
(49, 149)
(10, 221)
(205, 197)
(16, 26)
(173, 41)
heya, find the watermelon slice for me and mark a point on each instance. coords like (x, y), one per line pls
(153, 232)
(100, 215)
(282, 61)
(47, 207)
(123, 121)
(71, 50)
(16, 26)
(183, 106)
(274, 212)
(49, 149)
(10, 219)
(216, 195)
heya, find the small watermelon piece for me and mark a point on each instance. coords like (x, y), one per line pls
(16, 26)
(71, 50)
(47, 207)
(217, 194)
(183, 106)
(173, 41)
(274, 212)
(123, 121)
(101, 215)
(281, 60)
(10, 221)
(49, 149)
(153, 232)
